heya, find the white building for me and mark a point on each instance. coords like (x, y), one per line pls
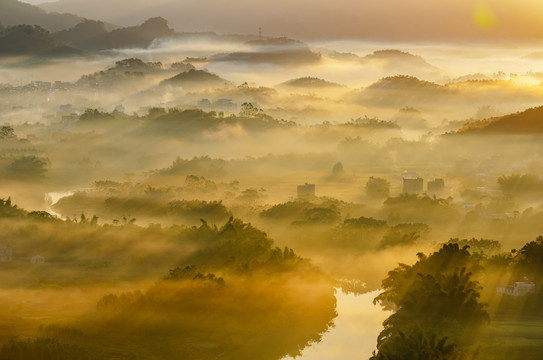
(519, 288)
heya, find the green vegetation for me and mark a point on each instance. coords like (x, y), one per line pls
(42, 349)
(149, 207)
(436, 294)
(25, 168)
(525, 122)
(302, 212)
(417, 208)
(31, 40)
(438, 299)
(517, 184)
(163, 219)
(404, 234)
(415, 345)
(7, 133)
(269, 301)
(377, 188)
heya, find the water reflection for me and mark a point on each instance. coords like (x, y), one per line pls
(355, 332)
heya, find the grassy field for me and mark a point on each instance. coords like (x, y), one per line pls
(512, 339)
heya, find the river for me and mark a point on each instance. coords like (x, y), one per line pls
(355, 333)
(51, 198)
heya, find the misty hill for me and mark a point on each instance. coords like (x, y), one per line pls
(403, 90)
(391, 54)
(403, 82)
(337, 55)
(32, 40)
(134, 36)
(471, 77)
(128, 70)
(538, 55)
(526, 122)
(278, 51)
(310, 82)
(195, 79)
(81, 32)
(13, 12)
(399, 62)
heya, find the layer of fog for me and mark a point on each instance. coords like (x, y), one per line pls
(451, 59)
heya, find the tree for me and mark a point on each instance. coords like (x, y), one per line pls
(436, 294)
(94, 115)
(7, 133)
(415, 346)
(27, 168)
(377, 188)
(337, 170)
(448, 259)
(249, 110)
(529, 260)
(517, 184)
(404, 234)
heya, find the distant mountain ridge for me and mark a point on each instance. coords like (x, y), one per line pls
(272, 50)
(86, 36)
(13, 12)
(402, 82)
(391, 20)
(92, 36)
(43, 31)
(82, 32)
(401, 91)
(32, 40)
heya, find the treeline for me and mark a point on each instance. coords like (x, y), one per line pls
(178, 123)
(229, 291)
(517, 184)
(143, 207)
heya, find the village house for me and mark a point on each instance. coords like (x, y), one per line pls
(412, 184)
(306, 190)
(435, 187)
(519, 288)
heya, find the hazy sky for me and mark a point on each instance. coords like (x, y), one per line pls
(311, 19)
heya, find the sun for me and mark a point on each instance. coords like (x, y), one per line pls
(483, 16)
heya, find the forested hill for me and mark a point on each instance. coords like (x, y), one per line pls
(525, 122)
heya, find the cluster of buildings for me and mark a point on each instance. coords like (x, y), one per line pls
(413, 184)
